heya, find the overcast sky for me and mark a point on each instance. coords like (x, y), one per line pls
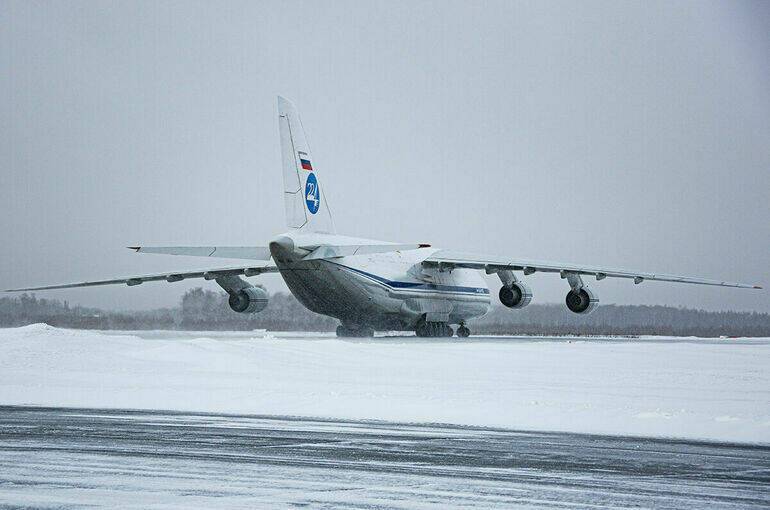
(629, 135)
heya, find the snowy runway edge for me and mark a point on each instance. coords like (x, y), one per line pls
(101, 458)
(686, 388)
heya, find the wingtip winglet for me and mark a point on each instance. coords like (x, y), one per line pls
(135, 248)
(757, 286)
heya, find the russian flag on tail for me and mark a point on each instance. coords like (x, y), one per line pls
(304, 160)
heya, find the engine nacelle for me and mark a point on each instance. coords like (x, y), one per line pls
(515, 295)
(583, 301)
(248, 300)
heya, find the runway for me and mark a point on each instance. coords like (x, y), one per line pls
(67, 458)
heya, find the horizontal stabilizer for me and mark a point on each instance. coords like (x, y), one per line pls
(224, 252)
(332, 252)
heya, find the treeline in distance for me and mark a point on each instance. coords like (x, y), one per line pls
(208, 310)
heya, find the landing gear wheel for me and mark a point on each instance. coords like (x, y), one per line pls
(434, 330)
(463, 331)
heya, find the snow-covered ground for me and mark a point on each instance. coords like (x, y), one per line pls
(689, 388)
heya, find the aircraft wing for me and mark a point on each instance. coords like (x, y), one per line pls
(207, 274)
(450, 259)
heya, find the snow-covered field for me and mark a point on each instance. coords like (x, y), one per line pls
(689, 388)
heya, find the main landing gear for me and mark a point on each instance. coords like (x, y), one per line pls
(440, 330)
(434, 329)
(423, 330)
(354, 331)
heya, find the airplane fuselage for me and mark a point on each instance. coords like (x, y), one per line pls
(381, 290)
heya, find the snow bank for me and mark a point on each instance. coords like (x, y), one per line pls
(690, 388)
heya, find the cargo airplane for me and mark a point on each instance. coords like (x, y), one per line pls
(372, 285)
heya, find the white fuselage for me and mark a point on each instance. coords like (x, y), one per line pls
(381, 290)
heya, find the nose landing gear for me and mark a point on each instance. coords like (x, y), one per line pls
(463, 331)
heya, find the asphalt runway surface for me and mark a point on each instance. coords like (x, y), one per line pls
(75, 458)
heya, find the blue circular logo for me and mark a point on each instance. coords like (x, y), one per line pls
(312, 194)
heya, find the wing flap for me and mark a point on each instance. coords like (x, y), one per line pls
(208, 274)
(449, 258)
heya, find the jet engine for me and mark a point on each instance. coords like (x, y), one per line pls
(582, 301)
(248, 300)
(244, 297)
(515, 295)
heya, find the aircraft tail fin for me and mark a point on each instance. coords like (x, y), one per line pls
(304, 200)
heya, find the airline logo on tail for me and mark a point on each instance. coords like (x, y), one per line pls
(304, 160)
(312, 194)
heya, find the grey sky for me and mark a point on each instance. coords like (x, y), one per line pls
(631, 135)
